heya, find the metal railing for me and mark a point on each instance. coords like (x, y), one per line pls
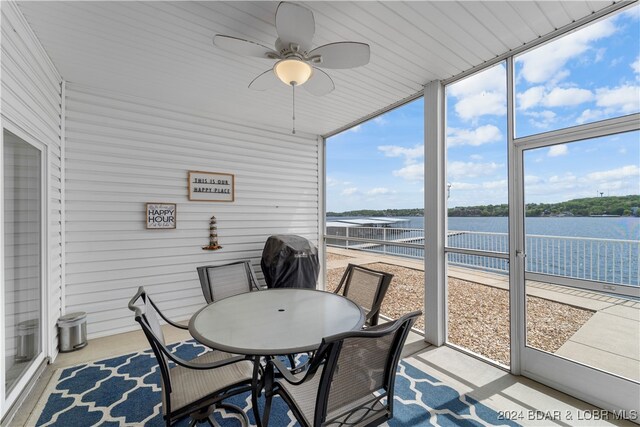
(604, 260)
(407, 242)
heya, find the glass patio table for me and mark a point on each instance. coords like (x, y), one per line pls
(273, 322)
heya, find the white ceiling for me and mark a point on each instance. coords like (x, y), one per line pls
(163, 50)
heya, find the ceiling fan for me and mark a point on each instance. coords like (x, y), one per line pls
(297, 64)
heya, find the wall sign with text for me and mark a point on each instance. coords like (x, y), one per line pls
(211, 186)
(161, 215)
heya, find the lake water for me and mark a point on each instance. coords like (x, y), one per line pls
(604, 249)
(625, 228)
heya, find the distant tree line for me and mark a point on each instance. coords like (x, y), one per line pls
(613, 205)
(384, 213)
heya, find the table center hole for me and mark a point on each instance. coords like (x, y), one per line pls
(281, 309)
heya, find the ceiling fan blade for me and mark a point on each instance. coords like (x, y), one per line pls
(341, 55)
(320, 83)
(264, 81)
(295, 24)
(244, 47)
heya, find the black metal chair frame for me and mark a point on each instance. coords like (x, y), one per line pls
(383, 286)
(201, 409)
(327, 356)
(206, 285)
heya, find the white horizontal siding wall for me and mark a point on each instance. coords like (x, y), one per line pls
(31, 108)
(123, 152)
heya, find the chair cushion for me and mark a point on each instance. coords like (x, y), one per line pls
(191, 385)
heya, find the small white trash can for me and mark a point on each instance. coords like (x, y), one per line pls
(72, 331)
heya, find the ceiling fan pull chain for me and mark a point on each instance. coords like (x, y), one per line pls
(293, 131)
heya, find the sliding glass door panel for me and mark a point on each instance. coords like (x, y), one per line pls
(22, 257)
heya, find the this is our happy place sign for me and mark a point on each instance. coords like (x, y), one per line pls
(211, 186)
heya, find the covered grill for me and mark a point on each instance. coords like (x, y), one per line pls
(290, 261)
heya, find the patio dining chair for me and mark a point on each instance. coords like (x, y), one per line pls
(365, 287)
(226, 280)
(194, 388)
(350, 380)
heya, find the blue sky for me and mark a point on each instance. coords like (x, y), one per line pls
(589, 75)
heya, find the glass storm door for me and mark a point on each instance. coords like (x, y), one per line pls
(579, 256)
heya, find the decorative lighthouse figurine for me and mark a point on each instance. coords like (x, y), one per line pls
(213, 235)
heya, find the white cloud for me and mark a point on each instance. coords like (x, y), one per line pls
(532, 179)
(635, 65)
(478, 136)
(615, 174)
(490, 80)
(476, 157)
(474, 106)
(557, 150)
(633, 13)
(349, 191)
(589, 115)
(495, 185)
(625, 99)
(541, 119)
(557, 187)
(332, 182)
(567, 177)
(413, 172)
(458, 170)
(380, 121)
(530, 97)
(545, 115)
(545, 63)
(616, 61)
(559, 97)
(355, 129)
(378, 191)
(410, 154)
(472, 193)
(567, 184)
(620, 100)
(480, 94)
(543, 188)
(618, 181)
(464, 186)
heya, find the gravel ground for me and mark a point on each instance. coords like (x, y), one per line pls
(336, 257)
(478, 314)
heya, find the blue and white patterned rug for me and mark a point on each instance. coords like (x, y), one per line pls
(125, 391)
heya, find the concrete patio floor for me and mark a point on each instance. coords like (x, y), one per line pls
(609, 340)
(489, 385)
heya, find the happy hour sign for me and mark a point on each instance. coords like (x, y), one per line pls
(161, 215)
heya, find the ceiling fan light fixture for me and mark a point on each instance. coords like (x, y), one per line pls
(293, 71)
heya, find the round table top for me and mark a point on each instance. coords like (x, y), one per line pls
(274, 321)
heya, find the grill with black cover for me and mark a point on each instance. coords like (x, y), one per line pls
(290, 261)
